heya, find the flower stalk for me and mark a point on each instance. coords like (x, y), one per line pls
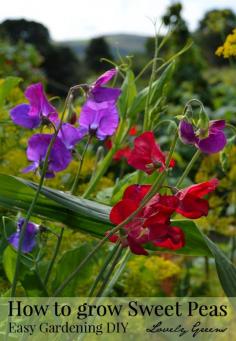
(188, 168)
(103, 270)
(110, 271)
(58, 244)
(33, 203)
(76, 181)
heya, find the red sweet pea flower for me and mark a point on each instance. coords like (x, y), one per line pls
(151, 224)
(133, 131)
(108, 143)
(173, 240)
(136, 192)
(122, 153)
(162, 203)
(147, 155)
(136, 234)
(163, 234)
(191, 204)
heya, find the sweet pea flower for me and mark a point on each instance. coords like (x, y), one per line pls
(191, 203)
(99, 93)
(147, 155)
(59, 158)
(98, 119)
(122, 153)
(133, 131)
(138, 230)
(173, 240)
(69, 135)
(212, 143)
(151, 224)
(29, 241)
(39, 109)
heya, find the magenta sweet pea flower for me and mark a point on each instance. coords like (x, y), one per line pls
(29, 241)
(99, 119)
(59, 158)
(31, 115)
(99, 93)
(70, 135)
(212, 143)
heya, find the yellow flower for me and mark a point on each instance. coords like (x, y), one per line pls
(149, 272)
(228, 49)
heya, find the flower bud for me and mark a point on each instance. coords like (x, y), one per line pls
(72, 118)
(203, 125)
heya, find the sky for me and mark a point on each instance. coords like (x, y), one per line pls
(82, 19)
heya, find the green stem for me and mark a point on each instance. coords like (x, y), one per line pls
(146, 67)
(22, 234)
(188, 168)
(146, 125)
(231, 127)
(31, 208)
(169, 122)
(172, 147)
(110, 271)
(103, 269)
(40, 280)
(233, 247)
(207, 269)
(76, 182)
(117, 273)
(58, 244)
(102, 168)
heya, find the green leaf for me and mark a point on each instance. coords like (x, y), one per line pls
(104, 196)
(225, 268)
(128, 93)
(9, 262)
(73, 258)
(85, 215)
(33, 285)
(120, 187)
(7, 86)
(6, 229)
(9, 227)
(158, 88)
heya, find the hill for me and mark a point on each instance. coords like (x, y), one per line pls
(126, 44)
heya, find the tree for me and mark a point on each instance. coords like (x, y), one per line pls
(190, 64)
(60, 64)
(174, 21)
(27, 31)
(63, 69)
(97, 49)
(212, 31)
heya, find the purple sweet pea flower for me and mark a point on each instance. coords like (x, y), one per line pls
(59, 158)
(100, 93)
(29, 241)
(213, 143)
(100, 119)
(31, 115)
(70, 135)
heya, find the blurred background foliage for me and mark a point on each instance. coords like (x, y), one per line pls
(27, 54)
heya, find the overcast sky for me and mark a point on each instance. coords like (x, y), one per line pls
(76, 19)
